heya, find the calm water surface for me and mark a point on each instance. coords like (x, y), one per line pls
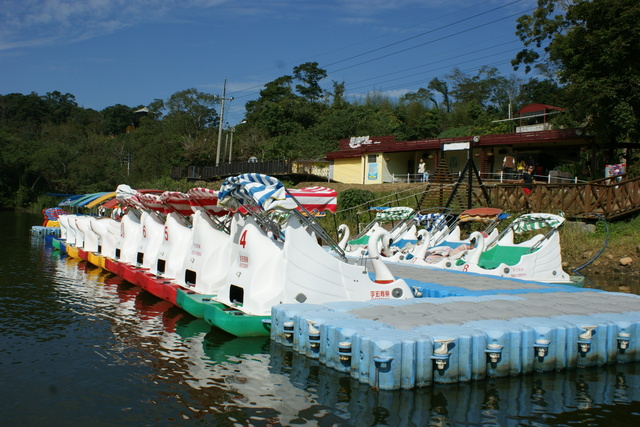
(79, 346)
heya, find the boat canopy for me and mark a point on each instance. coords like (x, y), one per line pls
(81, 200)
(206, 199)
(432, 221)
(270, 194)
(110, 204)
(99, 200)
(69, 200)
(536, 221)
(177, 202)
(481, 215)
(253, 188)
(387, 214)
(315, 200)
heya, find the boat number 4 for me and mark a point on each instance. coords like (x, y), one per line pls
(243, 239)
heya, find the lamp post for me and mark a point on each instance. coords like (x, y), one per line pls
(222, 100)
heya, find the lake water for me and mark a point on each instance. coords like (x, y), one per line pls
(79, 346)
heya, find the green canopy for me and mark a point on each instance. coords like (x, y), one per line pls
(536, 221)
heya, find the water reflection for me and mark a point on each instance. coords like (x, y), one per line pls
(154, 364)
(614, 283)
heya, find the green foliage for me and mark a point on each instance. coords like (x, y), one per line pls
(167, 184)
(23, 197)
(354, 199)
(594, 46)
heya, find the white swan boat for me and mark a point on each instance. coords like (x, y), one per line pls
(274, 264)
(537, 259)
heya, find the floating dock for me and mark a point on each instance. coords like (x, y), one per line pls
(465, 327)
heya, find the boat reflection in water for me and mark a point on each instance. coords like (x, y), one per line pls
(192, 372)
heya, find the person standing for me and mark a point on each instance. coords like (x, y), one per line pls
(508, 165)
(422, 171)
(528, 179)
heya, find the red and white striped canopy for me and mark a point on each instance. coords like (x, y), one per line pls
(177, 202)
(316, 199)
(151, 201)
(206, 199)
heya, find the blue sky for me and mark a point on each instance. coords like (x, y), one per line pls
(130, 52)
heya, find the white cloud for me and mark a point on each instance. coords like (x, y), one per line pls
(27, 23)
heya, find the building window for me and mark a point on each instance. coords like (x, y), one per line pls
(372, 158)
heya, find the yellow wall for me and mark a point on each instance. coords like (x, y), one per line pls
(348, 171)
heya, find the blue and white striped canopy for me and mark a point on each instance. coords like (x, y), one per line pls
(254, 188)
(432, 221)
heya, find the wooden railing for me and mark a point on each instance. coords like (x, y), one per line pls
(229, 169)
(606, 197)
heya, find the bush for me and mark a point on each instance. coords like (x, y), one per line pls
(354, 199)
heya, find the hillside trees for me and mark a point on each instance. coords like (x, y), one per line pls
(50, 143)
(594, 46)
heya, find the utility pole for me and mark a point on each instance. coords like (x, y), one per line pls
(222, 100)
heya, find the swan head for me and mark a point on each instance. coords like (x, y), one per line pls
(380, 243)
(343, 235)
(477, 240)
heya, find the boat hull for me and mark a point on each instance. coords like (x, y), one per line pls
(235, 321)
(193, 302)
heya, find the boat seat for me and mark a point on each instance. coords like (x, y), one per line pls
(509, 255)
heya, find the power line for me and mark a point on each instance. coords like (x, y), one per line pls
(254, 89)
(421, 34)
(441, 60)
(457, 12)
(431, 41)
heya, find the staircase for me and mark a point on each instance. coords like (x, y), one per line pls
(452, 191)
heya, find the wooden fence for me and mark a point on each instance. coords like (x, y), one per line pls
(607, 197)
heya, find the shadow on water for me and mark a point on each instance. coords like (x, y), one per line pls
(614, 283)
(82, 346)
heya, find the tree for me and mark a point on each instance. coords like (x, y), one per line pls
(309, 74)
(443, 89)
(419, 114)
(61, 107)
(595, 47)
(544, 91)
(192, 119)
(116, 119)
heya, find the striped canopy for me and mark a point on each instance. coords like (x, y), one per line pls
(254, 188)
(316, 199)
(151, 201)
(536, 221)
(98, 201)
(386, 214)
(206, 199)
(82, 200)
(432, 221)
(177, 202)
(127, 196)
